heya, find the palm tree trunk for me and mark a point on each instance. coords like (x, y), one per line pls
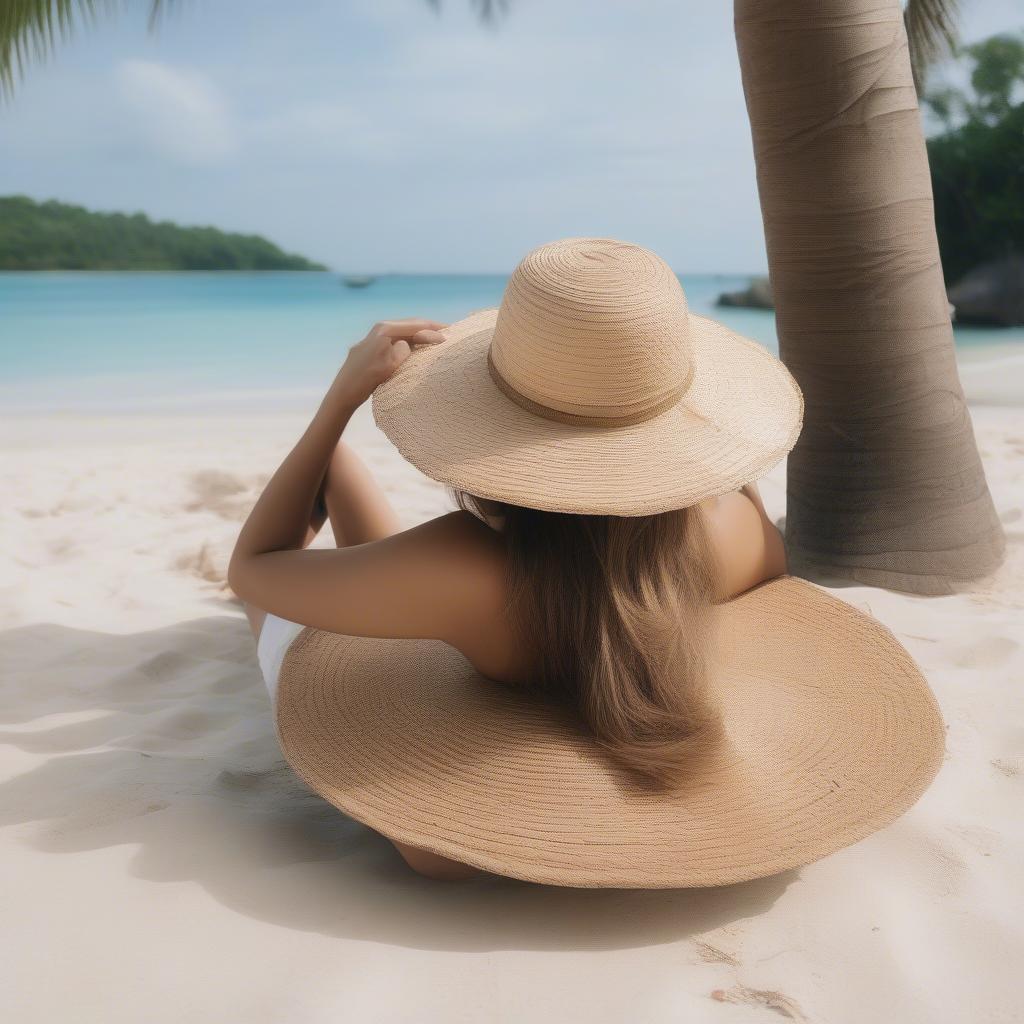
(885, 485)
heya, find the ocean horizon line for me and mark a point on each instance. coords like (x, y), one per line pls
(376, 274)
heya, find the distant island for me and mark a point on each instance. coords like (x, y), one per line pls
(58, 236)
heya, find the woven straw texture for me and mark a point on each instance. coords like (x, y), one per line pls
(830, 733)
(592, 389)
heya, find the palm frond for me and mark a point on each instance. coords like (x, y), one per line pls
(156, 11)
(488, 11)
(32, 29)
(932, 32)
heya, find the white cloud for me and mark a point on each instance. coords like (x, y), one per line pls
(181, 113)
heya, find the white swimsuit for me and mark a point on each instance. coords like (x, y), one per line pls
(275, 638)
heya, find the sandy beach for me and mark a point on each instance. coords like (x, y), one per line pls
(162, 864)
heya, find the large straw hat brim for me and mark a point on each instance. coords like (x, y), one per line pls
(830, 733)
(444, 412)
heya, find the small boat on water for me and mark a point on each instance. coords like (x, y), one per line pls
(358, 280)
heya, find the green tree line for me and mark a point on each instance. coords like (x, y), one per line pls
(58, 236)
(977, 158)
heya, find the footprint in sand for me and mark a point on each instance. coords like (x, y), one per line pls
(1009, 766)
(226, 494)
(206, 563)
(713, 955)
(769, 1000)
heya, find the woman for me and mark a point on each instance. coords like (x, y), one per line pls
(585, 605)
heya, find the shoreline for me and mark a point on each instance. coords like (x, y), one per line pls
(991, 374)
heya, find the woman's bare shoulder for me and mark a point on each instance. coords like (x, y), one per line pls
(463, 536)
(748, 545)
(475, 556)
(471, 591)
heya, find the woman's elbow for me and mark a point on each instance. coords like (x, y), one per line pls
(238, 576)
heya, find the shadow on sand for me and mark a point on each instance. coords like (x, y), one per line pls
(164, 740)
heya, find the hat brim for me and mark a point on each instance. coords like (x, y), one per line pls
(830, 733)
(740, 416)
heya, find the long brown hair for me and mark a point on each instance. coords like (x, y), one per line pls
(618, 611)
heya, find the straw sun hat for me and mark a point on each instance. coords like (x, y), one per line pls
(594, 389)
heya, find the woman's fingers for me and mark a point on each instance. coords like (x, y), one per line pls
(401, 347)
(428, 336)
(400, 352)
(406, 328)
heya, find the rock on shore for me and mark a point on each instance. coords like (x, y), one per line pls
(757, 296)
(992, 294)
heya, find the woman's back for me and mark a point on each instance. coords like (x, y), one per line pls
(475, 600)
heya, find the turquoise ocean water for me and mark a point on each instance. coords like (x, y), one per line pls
(152, 342)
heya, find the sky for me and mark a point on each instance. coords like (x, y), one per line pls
(385, 135)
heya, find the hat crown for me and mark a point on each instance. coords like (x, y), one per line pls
(594, 329)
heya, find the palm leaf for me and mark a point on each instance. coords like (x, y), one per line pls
(488, 11)
(931, 32)
(31, 29)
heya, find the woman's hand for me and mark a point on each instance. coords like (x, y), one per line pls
(278, 523)
(379, 354)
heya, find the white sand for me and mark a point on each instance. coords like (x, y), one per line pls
(161, 864)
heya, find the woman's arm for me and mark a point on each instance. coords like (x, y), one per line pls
(401, 586)
(277, 525)
(355, 503)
